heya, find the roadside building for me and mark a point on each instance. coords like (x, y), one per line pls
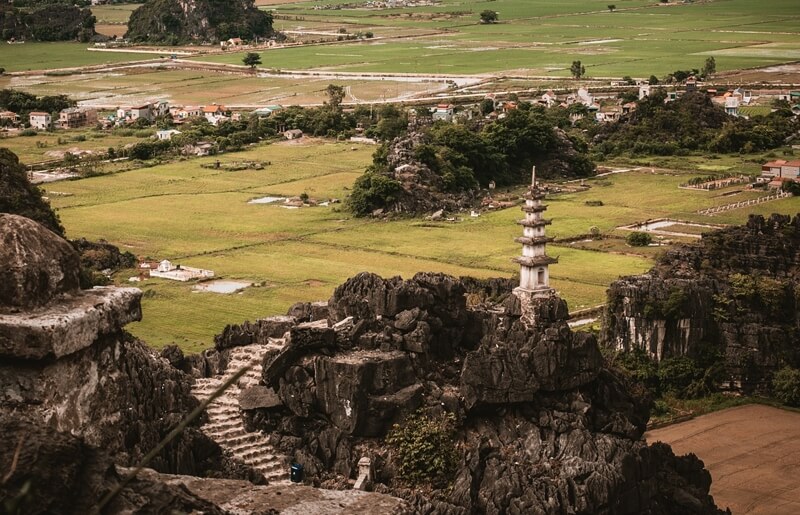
(781, 168)
(40, 120)
(75, 117)
(9, 117)
(293, 134)
(216, 113)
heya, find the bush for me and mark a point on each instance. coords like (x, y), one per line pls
(425, 448)
(639, 239)
(786, 386)
(371, 191)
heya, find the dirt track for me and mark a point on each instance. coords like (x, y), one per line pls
(753, 453)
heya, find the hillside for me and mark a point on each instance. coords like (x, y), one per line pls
(46, 22)
(198, 21)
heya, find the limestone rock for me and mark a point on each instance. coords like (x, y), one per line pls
(255, 397)
(35, 264)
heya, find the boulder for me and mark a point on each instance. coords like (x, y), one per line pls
(36, 264)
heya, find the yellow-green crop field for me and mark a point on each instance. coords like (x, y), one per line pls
(201, 217)
(543, 37)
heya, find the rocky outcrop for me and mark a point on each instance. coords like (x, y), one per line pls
(734, 291)
(542, 427)
(185, 21)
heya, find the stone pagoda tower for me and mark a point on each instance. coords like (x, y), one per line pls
(534, 275)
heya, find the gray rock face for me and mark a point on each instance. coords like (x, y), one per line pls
(37, 264)
(542, 426)
(70, 325)
(734, 292)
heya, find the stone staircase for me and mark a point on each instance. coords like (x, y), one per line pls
(225, 424)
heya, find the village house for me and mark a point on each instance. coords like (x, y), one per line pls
(215, 113)
(549, 98)
(180, 114)
(201, 148)
(75, 117)
(644, 91)
(732, 106)
(131, 114)
(166, 135)
(7, 117)
(780, 169)
(231, 43)
(293, 134)
(443, 112)
(607, 114)
(40, 120)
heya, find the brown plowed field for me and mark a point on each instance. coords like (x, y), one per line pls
(753, 453)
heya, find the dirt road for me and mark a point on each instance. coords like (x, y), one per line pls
(753, 453)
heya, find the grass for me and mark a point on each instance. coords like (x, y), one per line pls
(681, 410)
(200, 217)
(48, 56)
(45, 145)
(541, 37)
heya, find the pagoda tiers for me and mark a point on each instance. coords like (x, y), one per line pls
(534, 275)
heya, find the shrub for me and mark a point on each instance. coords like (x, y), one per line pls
(371, 191)
(639, 239)
(425, 448)
(676, 375)
(786, 386)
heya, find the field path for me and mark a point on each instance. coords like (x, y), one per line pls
(752, 452)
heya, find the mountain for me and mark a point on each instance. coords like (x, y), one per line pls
(197, 21)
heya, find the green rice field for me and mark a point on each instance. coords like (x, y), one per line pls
(201, 217)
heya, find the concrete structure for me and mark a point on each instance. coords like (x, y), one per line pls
(40, 120)
(9, 115)
(781, 169)
(75, 117)
(534, 274)
(166, 135)
(644, 91)
(216, 113)
(443, 112)
(166, 270)
(732, 106)
(267, 110)
(293, 134)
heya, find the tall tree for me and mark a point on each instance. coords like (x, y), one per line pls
(335, 95)
(710, 67)
(611, 7)
(577, 69)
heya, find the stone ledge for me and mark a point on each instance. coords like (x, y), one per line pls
(69, 324)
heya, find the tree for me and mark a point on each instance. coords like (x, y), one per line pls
(710, 67)
(611, 7)
(486, 106)
(335, 95)
(252, 59)
(488, 16)
(577, 69)
(653, 80)
(786, 385)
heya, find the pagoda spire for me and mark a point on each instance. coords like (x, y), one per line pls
(534, 273)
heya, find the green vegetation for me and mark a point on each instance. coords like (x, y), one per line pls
(251, 59)
(46, 21)
(639, 239)
(691, 123)
(168, 22)
(20, 197)
(786, 385)
(23, 103)
(47, 56)
(638, 39)
(425, 448)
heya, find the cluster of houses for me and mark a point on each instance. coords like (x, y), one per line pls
(71, 118)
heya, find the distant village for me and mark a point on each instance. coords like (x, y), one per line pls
(596, 104)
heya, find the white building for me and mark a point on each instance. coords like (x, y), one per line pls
(40, 120)
(166, 135)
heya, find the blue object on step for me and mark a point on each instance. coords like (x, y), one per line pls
(296, 474)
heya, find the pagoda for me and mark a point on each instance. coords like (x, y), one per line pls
(534, 275)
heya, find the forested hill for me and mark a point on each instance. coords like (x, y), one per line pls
(45, 20)
(184, 21)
